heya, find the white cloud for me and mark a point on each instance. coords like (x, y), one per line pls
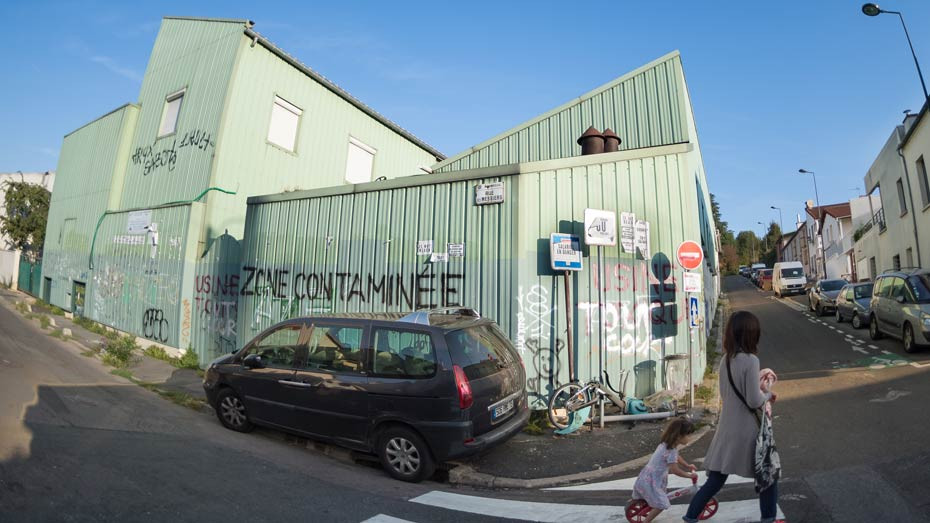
(111, 65)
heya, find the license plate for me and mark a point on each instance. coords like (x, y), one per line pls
(502, 409)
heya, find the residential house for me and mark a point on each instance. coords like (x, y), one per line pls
(836, 226)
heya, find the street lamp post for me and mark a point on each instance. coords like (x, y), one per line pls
(764, 236)
(781, 224)
(873, 10)
(823, 259)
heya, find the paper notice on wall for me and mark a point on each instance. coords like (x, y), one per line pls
(642, 238)
(129, 239)
(456, 250)
(693, 282)
(627, 231)
(138, 222)
(439, 257)
(424, 247)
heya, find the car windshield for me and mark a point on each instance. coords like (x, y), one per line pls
(920, 284)
(795, 272)
(863, 291)
(832, 285)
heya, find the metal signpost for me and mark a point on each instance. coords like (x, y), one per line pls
(691, 256)
(565, 256)
(600, 229)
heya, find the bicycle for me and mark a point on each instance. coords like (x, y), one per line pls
(572, 397)
(637, 509)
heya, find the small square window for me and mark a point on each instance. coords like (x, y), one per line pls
(285, 118)
(359, 162)
(169, 115)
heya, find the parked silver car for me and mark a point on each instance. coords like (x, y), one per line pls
(854, 304)
(901, 307)
(822, 296)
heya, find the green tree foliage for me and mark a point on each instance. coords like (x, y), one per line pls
(25, 217)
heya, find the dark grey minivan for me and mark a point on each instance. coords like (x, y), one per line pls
(414, 389)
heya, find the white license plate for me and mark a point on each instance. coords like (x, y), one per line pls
(502, 409)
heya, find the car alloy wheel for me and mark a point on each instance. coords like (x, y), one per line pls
(819, 310)
(404, 455)
(232, 412)
(839, 317)
(908, 338)
(856, 321)
(874, 333)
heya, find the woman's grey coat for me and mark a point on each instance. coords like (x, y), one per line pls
(733, 449)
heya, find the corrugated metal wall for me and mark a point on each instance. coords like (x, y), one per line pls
(91, 161)
(137, 278)
(293, 246)
(358, 252)
(198, 57)
(646, 108)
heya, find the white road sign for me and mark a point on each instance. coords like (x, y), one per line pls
(487, 193)
(600, 227)
(439, 257)
(693, 282)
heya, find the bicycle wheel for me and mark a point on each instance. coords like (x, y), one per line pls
(709, 509)
(637, 510)
(559, 415)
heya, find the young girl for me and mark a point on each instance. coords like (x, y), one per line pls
(652, 483)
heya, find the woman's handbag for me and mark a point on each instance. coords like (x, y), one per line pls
(767, 466)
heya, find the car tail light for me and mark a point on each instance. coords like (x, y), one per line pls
(463, 387)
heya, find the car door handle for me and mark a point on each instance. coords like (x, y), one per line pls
(300, 384)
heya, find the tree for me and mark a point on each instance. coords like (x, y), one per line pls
(730, 259)
(749, 247)
(722, 226)
(25, 218)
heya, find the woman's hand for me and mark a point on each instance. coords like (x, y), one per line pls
(692, 467)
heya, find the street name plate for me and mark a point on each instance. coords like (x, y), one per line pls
(488, 193)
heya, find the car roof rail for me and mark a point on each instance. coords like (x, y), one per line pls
(421, 317)
(908, 270)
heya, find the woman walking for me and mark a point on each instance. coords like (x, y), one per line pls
(732, 450)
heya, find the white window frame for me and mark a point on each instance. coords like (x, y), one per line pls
(177, 95)
(364, 147)
(278, 101)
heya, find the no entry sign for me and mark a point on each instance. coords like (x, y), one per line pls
(690, 255)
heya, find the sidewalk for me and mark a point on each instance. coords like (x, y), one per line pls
(156, 373)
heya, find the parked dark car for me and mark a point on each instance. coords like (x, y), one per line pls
(415, 390)
(853, 304)
(822, 296)
(901, 307)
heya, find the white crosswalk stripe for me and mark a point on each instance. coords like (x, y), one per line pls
(384, 518)
(674, 482)
(728, 512)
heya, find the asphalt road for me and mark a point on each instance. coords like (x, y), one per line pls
(79, 444)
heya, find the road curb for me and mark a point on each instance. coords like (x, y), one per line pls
(467, 476)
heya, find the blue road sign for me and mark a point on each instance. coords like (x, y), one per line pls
(565, 252)
(693, 308)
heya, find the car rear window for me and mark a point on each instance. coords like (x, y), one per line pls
(832, 285)
(920, 285)
(480, 351)
(863, 291)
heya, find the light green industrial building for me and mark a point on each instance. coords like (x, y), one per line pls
(149, 214)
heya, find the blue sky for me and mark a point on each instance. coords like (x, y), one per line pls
(775, 85)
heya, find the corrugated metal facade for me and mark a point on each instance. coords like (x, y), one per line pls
(136, 285)
(89, 177)
(646, 108)
(357, 252)
(295, 243)
(198, 57)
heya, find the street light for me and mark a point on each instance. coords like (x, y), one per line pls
(781, 224)
(873, 10)
(823, 258)
(764, 237)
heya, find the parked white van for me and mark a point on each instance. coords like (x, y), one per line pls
(788, 278)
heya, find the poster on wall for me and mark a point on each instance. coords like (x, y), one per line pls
(424, 247)
(693, 282)
(439, 257)
(600, 227)
(627, 231)
(456, 250)
(138, 222)
(642, 238)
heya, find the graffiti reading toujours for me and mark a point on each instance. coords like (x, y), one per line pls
(415, 290)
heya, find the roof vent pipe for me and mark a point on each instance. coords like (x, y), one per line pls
(591, 142)
(611, 141)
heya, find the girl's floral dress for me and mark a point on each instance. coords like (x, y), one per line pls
(652, 483)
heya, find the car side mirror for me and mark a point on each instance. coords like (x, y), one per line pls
(253, 361)
(899, 299)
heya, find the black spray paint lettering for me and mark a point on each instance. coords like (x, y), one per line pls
(154, 325)
(415, 290)
(197, 138)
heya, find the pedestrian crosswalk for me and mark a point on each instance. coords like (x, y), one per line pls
(730, 511)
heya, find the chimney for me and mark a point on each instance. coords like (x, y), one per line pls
(591, 142)
(611, 141)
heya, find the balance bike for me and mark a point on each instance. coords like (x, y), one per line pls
(638, 509)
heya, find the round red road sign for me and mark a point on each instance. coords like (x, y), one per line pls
(690, 255)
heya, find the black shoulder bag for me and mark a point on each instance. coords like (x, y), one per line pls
(767, 463)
